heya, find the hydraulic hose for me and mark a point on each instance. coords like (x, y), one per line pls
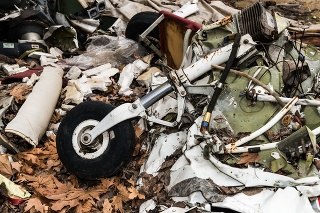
(218, 89)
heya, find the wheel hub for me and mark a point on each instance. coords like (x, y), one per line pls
(85, 139)
(82, 143)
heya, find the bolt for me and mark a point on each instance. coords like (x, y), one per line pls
(246, 41)
(183, 92)
(85, 139)
(134, 106)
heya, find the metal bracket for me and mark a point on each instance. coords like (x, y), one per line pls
(176, 81)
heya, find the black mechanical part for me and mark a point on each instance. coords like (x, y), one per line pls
(4, 4)
(121, 142)
(259, 21)
(15, 50)
(139, 23)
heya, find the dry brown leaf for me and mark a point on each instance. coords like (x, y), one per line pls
(106, 183)
(117, 203)
(5, 166)
(74, 198)
(43, 181)
(35, 203)
(101, 98)
(74, 181)
(123, 191)
(107, 208)
(252, 191)
(31, 158)
(59, 205)
(16, 166)
(85, 207)
(53, 163)
(138, 131)
(56, 117)
(57, 190)
(134, 193)
(247, 158)
(27, 169)
(19, 92)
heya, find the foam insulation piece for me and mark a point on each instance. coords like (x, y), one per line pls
(34, 116)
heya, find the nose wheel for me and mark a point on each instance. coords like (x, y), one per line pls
(102, 157)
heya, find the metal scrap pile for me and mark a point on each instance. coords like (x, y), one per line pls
(216, 109)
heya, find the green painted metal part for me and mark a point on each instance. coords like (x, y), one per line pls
(234, 105)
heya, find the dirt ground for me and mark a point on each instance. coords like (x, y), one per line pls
(302, 10)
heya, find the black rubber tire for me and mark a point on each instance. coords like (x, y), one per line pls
(117, 154)
(139, 23)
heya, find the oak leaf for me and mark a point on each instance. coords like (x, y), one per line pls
(16, 166)
(248, 158)
(5, 166)
(27, 169)
(117, 203)
(134, 193)
(31, 158)
(123, 191)
(43, 181)
(59, 205)
(107, 208)
(106, 183)
(35, 203)
(20, 91)
(85, 207)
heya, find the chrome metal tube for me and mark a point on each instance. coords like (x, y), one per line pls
(156, 94)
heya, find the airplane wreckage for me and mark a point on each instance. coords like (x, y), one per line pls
(241, 93)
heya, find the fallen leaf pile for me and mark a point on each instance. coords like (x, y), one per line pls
(53, 189)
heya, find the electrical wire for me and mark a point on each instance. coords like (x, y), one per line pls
(298, 75)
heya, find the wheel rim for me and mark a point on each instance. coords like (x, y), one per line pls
(95, 149)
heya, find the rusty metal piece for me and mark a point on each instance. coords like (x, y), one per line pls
(219, 119)
(217, 24)
(286, 120)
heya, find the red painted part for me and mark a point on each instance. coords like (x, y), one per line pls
(22, 75)
(14, 201)
(182, 21)
(185, 22)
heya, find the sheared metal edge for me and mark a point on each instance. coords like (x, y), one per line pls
(87, 25)
(158, 111)
(13, 190)
(268, 201)
(5, 103)
(192, 164)
(147, 206)
(165, 146)
(251, 177)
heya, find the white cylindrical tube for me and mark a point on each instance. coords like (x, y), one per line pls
(256, 148)
(270, 124)
(217, 57)
(34, 116)
(270, 98)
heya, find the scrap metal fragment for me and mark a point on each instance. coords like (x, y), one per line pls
(15, 193)
(206, 187)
